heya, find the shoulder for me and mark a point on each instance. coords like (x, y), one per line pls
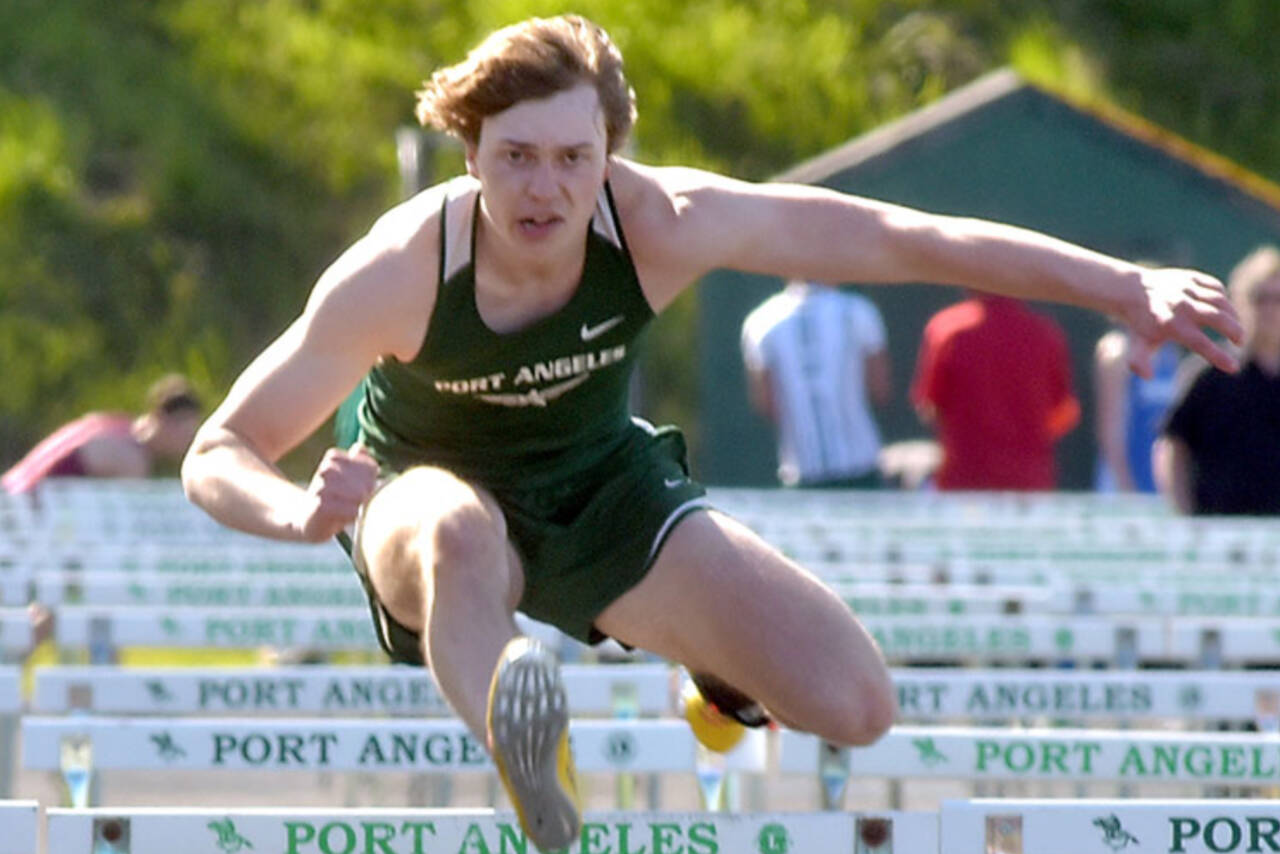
(675, 220)
(954, 318)
(384, 283)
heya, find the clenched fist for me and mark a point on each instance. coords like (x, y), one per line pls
(341, 483)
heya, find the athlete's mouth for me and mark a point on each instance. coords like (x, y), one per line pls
(538, 221)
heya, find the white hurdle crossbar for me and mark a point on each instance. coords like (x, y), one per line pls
(322, 629)
(930, 694)
(995, 826)
(1072, 755)
(420, 746)
(328, 629)
(205, 591)
(644, 689)
(311, 831)
(19, 824)
(924, 694)
(1014, 826)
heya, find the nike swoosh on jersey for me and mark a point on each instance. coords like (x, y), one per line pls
(590, 332)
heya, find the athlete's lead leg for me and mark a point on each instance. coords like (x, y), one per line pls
(720, 600)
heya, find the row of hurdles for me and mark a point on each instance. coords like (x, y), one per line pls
(985, 726)
(974, 826)
(100, 631)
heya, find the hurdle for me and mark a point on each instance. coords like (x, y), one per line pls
(1071, 755)
(1179, 826)
(643, 689)
(194, 558)
(326, 629)
(339, 744)
(19, 826)
(231, 589)
(995, 826)
(1017, 638)
(937, 694)
(389, 831)
(80, 749)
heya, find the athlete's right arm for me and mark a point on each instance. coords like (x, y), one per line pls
(373, 301)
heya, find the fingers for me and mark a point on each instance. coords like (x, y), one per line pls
(343, 481)
(1217, 312)
(1219, 356)
(1140, 357)
(1188, 305)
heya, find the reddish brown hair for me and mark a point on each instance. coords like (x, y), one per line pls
(533, 59)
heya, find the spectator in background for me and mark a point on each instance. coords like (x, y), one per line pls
(1130, 408)
(994, 380)
(114, 444)
(1219, 450)
(816, 361)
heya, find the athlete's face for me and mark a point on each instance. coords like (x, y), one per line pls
(541, 164)
(1260, 314)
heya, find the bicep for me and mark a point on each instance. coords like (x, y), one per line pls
(369, 304)
(686, 223)
(287, 392)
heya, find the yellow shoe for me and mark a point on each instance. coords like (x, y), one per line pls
(528, 720)
(713, 728)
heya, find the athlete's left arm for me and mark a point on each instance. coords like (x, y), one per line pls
(694, 221)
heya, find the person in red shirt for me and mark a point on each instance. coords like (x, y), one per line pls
(994, 379)
(114, 444)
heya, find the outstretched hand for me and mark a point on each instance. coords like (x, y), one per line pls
(341, 484)
(1180, 305)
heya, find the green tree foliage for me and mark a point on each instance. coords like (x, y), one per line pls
(175, 174)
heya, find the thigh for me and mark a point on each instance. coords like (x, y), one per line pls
(720, 600)
(427, 521)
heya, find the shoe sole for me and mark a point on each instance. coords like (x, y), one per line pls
(528, 720)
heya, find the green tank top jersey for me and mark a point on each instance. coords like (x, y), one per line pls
(525, 407)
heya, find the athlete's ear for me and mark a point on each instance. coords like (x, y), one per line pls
(470, 149)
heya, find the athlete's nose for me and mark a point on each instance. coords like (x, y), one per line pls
(542, 182)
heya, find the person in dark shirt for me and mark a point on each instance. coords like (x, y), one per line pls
(1219, 451)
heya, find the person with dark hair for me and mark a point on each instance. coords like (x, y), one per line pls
(493, 320)
(114, 444)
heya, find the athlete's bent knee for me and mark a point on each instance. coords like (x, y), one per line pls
(466, 537)
(868, 712)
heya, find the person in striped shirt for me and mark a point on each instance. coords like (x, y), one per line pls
(817, 362)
